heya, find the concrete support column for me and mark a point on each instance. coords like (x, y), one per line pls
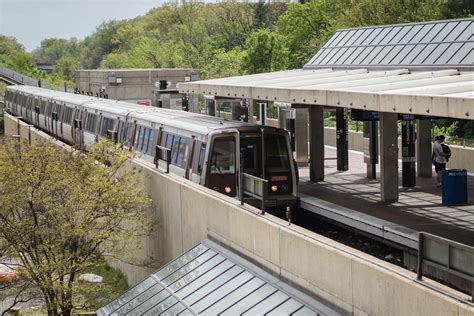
(250, 103)
(212, 107)
(194, 103)
(281, 117)
(301, 135)
(316, 125)
(388, 157)
(423, 148)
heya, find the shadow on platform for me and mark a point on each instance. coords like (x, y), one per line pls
(419, 208)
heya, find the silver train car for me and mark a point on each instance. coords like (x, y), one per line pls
(204, 149)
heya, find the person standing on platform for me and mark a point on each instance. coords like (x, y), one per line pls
(439, 157)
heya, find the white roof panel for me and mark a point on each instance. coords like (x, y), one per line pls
(399, 89)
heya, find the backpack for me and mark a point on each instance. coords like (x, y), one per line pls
(447, 151)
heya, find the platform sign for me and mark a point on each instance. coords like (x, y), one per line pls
(144, 102)
(362, 115)
(408, 151)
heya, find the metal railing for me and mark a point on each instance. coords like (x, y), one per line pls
(163, 154)
(446, 255)
(255, 187)
(19, 78)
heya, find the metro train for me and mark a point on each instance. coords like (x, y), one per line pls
(207, 150)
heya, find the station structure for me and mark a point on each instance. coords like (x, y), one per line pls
(411, 73)
(150, 86)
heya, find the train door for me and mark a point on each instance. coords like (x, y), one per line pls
(223, 162)
(54, 109)
(189, 158)
(37, 112)
(78, 133)
(251, 153)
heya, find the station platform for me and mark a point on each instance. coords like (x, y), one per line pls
(348, 197)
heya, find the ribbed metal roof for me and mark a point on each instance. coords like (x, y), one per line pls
(211, 280)
(437, 44)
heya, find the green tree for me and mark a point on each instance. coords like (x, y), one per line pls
(307, 26)
(51, 50)
(9, 45)
(225, 64)
(144, 53)
(380, 12)
(66, 67)
(266, 51)
(98, 45)
(62, 211)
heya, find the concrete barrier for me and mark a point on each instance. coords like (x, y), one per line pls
(351, 280)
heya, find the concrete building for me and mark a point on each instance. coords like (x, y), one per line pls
(154, 87)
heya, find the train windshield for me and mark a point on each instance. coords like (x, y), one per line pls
(223, 157)
(276, 153)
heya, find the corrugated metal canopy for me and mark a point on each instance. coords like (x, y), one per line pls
(211, 280)
(434, 45)
(443, 93)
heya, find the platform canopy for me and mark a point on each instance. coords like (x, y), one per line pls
(419, 68)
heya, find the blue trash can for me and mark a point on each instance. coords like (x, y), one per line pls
(454, 186)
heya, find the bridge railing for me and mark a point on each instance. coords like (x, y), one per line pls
(15, 76)
(446, 255)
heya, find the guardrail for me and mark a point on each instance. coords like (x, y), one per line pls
(163, 154)
(446, 255)
(19, 78)
(253, 186)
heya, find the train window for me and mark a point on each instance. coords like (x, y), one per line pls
(181, 151)
(22, 100)
(48, 109)
(141, 135)
(128, 131)
(223, 157)
(178, 146)
(169, 140)
(107, 124)
(42, 107)
(151, 142)
(67, 115)
(91, 122)
(120, 130)
(276, 153)
(202, 153)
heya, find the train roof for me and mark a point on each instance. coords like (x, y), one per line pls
(193, 122)
(75, 99)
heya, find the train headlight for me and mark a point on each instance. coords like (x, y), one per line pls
(274, 188)
(227, 189)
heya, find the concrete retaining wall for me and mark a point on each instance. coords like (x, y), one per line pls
(355, 282)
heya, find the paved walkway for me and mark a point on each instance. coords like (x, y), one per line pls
(418, 208)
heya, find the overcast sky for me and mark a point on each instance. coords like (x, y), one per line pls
(30, 21)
